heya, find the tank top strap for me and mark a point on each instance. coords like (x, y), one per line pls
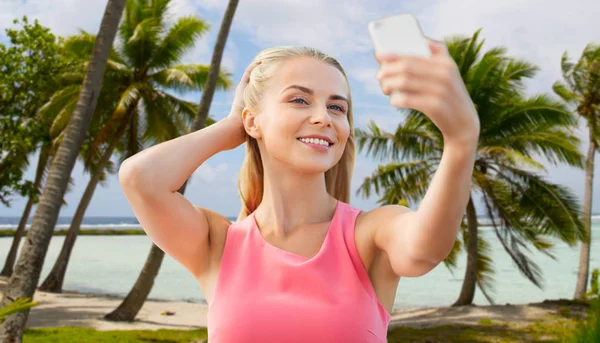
(348, 225)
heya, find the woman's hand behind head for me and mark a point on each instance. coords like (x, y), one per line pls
(235, 114)
(238, 101)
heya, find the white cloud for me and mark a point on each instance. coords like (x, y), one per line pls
(210, 175)
(536, 30)
(367, 78)
(61, 16)
(335, 27)
(387, 120)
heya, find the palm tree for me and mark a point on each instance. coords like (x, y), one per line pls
(43, 165)
(27, 272)
(48, 58)
(7, 270)
(522, 205)
(582, 90)
(134, 301)
(143, 110)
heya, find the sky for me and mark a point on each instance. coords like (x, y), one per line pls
(539, 31)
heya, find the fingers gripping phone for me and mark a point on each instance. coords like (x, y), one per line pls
(398, 34)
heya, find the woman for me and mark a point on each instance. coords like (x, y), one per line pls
(301, 264)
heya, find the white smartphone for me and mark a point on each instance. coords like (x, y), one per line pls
(398, 34)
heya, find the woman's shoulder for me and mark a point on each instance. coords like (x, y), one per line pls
(378, 216)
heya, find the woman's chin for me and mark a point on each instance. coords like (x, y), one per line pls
(313, 167)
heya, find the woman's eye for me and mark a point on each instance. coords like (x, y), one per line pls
(339, 108)
(294, 100)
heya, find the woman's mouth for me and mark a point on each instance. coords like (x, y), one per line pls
(317, 144)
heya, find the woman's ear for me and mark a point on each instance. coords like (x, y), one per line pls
(250, 123)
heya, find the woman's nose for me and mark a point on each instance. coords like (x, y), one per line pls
(321, 116)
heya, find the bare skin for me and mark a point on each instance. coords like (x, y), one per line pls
(392, 241)
(307, 242)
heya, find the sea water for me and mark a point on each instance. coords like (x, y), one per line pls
(111, 264)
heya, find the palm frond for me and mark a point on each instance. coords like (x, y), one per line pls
(502, 155)
(484, 270)
(552, 209)
(189, 77)
(568, 96)
(496, 200)
(49, 111)
(179, 39)
(517, 70)
(527, 115)
(451, 261)
(141, 45)
(163, 121)
(407, 180)
(132, 16)
(63, 117)
(124, 107)
(407, 142)
(82, 45)
(187, 109)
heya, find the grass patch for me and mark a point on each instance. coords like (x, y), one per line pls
(588, 330)
(85, 232)
(489, 332)
(565, 311)
(494, 332)
(553, 328)
(485, 322)
(76, 334)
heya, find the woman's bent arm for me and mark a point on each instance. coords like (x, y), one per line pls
(150, 180)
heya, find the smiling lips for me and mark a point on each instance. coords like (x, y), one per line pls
(316, 143)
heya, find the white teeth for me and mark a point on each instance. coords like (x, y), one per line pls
(314, 141)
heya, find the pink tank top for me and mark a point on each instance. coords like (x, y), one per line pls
(266, 294)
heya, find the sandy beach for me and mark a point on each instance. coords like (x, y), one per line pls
(87, 310)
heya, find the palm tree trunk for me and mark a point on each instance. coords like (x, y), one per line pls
(12, 254)
(54, 281)
(134, 301)
(215, 65)
(467, 293)
(24, 280)
(584, 253)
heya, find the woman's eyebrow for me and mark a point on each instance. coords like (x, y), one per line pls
(311, 92)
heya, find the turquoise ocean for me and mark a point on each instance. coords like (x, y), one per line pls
(111, 264)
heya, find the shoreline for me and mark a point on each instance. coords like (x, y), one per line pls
(73, 308)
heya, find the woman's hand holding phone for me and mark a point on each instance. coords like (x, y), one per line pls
(425, 81)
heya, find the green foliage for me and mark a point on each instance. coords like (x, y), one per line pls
(593, 293)
(76, 334)
(486, 322)
(486, 331)
(581, 86)
(588, 330)
(29, 66)
(565, 311)
(143, 72)
(21, 304)
(84, 232)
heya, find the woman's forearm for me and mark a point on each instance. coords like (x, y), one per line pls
(166, 166)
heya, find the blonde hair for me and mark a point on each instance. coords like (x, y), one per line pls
(251, 177)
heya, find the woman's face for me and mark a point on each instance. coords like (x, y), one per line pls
(306, 97)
